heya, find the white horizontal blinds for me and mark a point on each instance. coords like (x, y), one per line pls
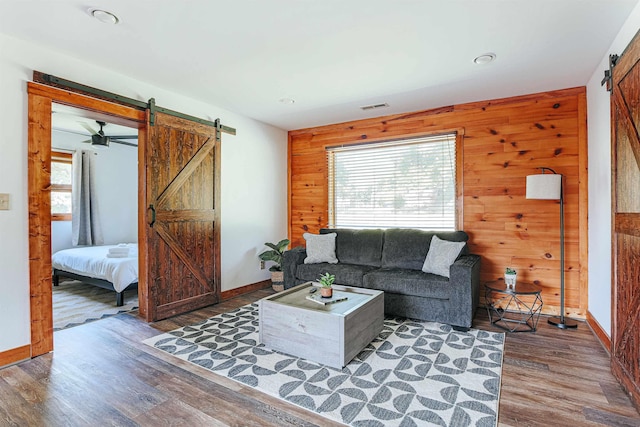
(401, 183)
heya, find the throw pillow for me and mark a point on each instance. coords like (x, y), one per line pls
(320, 248)
(441, 255)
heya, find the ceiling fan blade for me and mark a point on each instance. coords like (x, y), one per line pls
(124, 136)
(88, 128)
(117, 141)
(87, 141)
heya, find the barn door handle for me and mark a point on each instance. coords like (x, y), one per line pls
(153, 215)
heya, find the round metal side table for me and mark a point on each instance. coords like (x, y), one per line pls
(514, 309)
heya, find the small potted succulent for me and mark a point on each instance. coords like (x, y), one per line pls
(510, 276)
(326, 280)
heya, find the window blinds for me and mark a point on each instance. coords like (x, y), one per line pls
(400, 183)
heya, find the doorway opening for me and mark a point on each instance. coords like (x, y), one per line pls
(178, 214)
(93, 278)
(41, 104)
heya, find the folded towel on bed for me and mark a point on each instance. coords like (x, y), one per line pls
(118, 254)
(118, 250)
(122, 255)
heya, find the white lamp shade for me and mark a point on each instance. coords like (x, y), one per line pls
(544, 186)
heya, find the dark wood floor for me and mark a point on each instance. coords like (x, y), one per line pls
(101, 374)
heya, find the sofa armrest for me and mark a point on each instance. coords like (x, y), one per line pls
(464, 276)
(290, 261)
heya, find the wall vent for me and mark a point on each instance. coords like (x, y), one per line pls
(374, 106)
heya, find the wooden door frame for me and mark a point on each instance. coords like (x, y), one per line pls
(40, 100)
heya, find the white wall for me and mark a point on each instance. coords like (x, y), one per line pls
(254, 176)
(60, 236)
(116, 173)
(598, 108)
(117, 190)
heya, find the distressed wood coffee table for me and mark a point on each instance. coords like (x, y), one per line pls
(330, 334)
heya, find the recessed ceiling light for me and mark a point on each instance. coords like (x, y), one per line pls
(104, 16)
(287, 101)
(485, 58)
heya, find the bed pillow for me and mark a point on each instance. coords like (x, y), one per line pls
(441, 255)
(320, 248)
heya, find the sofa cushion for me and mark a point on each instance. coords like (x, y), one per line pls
(346, 274)
(441, 255)
(320, 248)
(361, 247)
(408, 248)
(408, 282)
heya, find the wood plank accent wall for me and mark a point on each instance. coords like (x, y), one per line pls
(504, 140)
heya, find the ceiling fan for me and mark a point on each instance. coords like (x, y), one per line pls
(100, 140)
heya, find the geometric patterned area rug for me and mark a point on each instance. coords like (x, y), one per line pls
(414, 373)
(76, 303)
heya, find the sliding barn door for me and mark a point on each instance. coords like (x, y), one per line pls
(182, 219)
(625, 357)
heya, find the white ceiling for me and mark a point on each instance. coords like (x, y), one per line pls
(331, 56)
(75, 122)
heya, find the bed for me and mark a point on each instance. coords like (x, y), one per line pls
(90, 264)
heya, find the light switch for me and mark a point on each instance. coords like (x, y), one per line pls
(4, 202)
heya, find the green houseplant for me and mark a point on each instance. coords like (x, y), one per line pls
(326, 280)
(275, 255)
(510, 276)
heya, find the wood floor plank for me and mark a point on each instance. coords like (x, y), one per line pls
(23, 384)
(614, 392)
(15, 410)
(224, 407)
(102, 374)
(134, 398)
(608, 418)
(177, 413)
(44, 410)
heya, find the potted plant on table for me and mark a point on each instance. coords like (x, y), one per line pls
(510, 276)
(326, 280)
(275, 255)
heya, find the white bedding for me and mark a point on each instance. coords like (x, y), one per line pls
(92, 261)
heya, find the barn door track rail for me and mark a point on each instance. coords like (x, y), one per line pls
(50, 80)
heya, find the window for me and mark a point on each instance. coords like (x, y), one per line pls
(61, 182)
(400, 183)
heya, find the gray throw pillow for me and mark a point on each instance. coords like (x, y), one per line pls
(441, 255)
(320, 248)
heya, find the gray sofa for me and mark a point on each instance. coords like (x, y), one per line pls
(391, 261)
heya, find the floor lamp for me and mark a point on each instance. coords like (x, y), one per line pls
(549, 187)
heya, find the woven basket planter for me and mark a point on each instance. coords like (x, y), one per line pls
(277, 281)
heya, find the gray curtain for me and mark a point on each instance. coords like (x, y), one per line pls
(85, 219)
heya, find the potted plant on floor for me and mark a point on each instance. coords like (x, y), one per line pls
(275, 255)
(326, 280)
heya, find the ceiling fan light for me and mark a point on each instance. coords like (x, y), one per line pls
(99, 141)
(104, 16)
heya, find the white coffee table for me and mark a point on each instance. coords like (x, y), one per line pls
(329, 334)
